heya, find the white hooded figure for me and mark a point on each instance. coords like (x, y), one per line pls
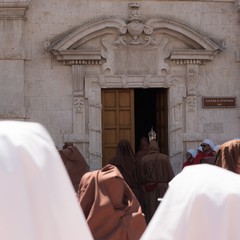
(208, 142)
(37, 199)
(202, 202)
(192, 152)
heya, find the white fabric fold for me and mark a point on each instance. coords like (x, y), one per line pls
(37, 199)
(202, 202)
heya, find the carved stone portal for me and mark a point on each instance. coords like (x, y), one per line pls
(133, 54)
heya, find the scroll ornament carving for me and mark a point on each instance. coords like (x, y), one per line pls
(135, 28)
(79, 104)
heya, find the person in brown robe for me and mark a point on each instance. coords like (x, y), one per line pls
(156, 173)
(74, 162)
(228, 156)
(143, 148)
(126, 163)
(142, 151)
(110, 207)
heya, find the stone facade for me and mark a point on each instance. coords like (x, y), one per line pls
(56, 56)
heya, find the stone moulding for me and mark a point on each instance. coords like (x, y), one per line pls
(13, 10)
(202, 47)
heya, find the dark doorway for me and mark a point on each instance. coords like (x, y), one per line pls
(151, 111)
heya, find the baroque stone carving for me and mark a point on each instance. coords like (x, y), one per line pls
(191, 102)
(79, 104)
(135, 28)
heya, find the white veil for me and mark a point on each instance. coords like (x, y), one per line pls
(202, 202)
(37, 199)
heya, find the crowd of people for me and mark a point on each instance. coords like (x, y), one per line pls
(205, 153)
(135, 196)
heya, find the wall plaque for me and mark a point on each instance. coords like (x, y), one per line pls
(215, 102)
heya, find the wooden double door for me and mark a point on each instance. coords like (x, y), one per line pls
(130, 114)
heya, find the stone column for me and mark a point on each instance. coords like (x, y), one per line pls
(12, 57)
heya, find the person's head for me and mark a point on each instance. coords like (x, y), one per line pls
(144, 143)
(67, 144)
(124, 148)
(207, 145)
(202, 202)
(153, 145)
(228, 156)
(190, 154)
(35, 187)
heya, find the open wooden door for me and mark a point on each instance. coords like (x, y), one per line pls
(117, 120)
(162, 119)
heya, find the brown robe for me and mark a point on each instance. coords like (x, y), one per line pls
(110, 207)
(156, 173)
(143, 149)
(228, 156)
(75, 164)
(126, 163)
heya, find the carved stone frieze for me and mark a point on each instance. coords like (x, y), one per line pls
(82, 62)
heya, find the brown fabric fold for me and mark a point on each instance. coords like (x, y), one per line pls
(110, 207)
(228, 156)
(75, 164)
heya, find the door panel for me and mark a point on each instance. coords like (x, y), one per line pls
(117, 119)
(162, 120)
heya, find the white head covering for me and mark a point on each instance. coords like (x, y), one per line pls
(192, 152)
(216, 147)
(209, 142)
(37, 201)
(199, 148)
(202, 202)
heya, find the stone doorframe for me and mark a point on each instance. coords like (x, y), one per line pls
(132, 53)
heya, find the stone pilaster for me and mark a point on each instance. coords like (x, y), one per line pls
(12, 56)
(191, 135)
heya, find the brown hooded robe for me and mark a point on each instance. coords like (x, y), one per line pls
(228, 156)
(156, 173)
(75, 164)
(110, 207)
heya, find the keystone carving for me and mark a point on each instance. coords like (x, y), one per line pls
(135, 28)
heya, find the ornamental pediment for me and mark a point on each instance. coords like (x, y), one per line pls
(108, 40)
